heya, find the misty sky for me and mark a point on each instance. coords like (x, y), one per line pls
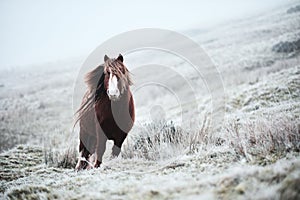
(40, 31)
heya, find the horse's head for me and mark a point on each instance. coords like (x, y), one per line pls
(116, 77)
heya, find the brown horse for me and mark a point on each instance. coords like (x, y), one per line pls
(106, 112)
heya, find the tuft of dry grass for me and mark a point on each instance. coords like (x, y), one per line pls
(262, 140)
(263, 137)
(162, 140)
(61, 158)
(155, 141)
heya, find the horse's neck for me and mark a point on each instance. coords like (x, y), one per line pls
(125, 98)
(123, 101)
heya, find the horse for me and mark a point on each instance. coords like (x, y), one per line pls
(106, 112)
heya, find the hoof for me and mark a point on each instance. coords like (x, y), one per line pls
(97, 164)
(81, 165)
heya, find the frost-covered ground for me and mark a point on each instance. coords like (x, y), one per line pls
(255, 155)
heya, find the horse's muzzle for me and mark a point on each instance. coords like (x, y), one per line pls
(113, 95)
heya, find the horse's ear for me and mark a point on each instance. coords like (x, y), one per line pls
(106, 58)
(120, 58)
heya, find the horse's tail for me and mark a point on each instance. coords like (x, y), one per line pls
(93, 83)
(86, 105)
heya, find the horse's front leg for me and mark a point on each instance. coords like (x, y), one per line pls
(100, 147)
(115, 151)
(84, 154)
(118, 144)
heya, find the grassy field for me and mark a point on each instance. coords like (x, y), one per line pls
(255, 154)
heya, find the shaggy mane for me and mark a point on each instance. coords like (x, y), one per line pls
(95, 85)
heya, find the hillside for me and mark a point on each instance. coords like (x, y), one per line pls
(255, 153)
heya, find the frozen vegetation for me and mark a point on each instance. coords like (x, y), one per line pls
(254, 155)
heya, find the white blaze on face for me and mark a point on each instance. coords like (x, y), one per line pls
(113, 90)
